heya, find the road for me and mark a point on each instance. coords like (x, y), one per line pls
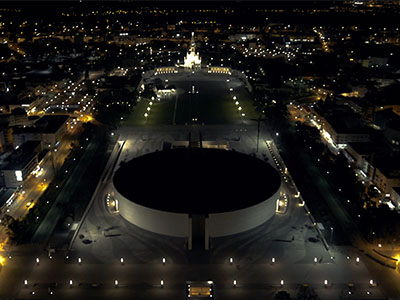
(35, 186)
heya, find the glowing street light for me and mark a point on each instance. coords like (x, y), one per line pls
(234, 283)
(315, 260)
(122, 260)
(146, 115)
(234, 98)
(231, 260)
(282, 282)
(357, 259)
(70, 283)
(325, 283)
(371, 282)
(273, 260)
(116, 283)
(163, 260)
(37, 260)
(162, 283)
(239, 108)
(25, 282)
(79, 260)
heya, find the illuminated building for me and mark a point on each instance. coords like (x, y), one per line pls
(194, 197)
(192, 59)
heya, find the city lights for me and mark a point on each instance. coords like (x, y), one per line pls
(223, 114)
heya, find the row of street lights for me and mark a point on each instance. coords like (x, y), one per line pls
(325, 282)
(239, 107)
(231, 260)
(146, 114)
(71, 283)
(79, 260)
(315, 260)
(164, 260)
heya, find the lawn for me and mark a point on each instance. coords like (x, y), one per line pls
(211, 103)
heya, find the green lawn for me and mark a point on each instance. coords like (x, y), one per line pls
(161, 113)
(212, 105)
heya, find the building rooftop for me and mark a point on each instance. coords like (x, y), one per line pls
(198, 181)
(363, 148)
(50, 124)
(388, 165)
(21, 156)
(397, 190)
(346, 123)
(382, 117)
(394, 123)
(26, 129)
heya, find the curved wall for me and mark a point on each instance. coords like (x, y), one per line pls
(222, 224)
(167, 223)
(177, 224)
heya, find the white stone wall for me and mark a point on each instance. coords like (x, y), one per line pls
(167, 223)
(237, 221)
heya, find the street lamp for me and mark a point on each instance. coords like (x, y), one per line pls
(162, 283)
(315, 260)
(325, 283)
(70, 283)
(371, 282)
(79, 260)
(357, 259)
(234, 283)
(116, 283)
(122, 260)
(163, 260)
(37, 260)
(282, 282)
(26, 283)
(231, 260)
(273, 260)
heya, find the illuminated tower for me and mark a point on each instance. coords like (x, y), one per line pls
(192, 59)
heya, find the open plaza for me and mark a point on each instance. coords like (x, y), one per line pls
(111, 258)
(194, 195)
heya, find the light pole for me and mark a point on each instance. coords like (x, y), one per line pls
(258, 130)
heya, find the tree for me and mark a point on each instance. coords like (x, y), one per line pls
(282, 295)
(307, 293)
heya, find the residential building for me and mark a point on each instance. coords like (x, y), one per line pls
(22, 161)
